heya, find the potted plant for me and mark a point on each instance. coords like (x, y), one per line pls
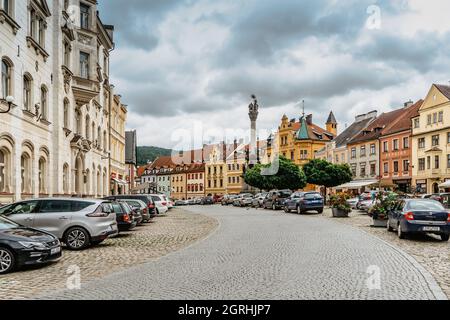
(339, 205)
(379, 213)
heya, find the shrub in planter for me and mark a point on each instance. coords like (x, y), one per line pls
(384, 202)
(339, 205)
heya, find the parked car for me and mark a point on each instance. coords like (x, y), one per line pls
(353, 202)
(258, 200)
(146, 198)
(302, 202)
(198, 201)
(365, 205)
(228, 199)
(76, 222)
(135, 213)
(124, 216)
(191, 202)
(180, 203)
(246, 200)
(419, 216)
(21, 246)
(139, 206)
(275, 199)
(160, 203)
(207, 201)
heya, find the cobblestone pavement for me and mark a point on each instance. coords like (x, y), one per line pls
(429, 251)
(166, 234)
(258, 254)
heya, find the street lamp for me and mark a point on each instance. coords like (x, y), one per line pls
(9, 100)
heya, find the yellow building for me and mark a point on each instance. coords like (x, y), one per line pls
(299, 141)
(431, 141)
(118, 169)
(178, 183)
(216, 171)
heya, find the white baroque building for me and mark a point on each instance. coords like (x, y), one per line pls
(55, 63)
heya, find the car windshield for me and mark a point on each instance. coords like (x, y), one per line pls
(7, 224)
(428, 205)
(284, 194)
(312, 195)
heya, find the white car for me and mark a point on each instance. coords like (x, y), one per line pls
(353, 202)
(160, 202)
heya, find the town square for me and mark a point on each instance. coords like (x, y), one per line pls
(224, 150)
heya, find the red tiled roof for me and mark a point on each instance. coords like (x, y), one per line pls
(403, 122)
(313, 128)
(376, 128)
(141, 170)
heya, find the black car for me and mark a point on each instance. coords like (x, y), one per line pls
(124, 216)
(147, 199)
(207, 201)
(419, 216)
(21, 246)
(302, 202)
(275, 199)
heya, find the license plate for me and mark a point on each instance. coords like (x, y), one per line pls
(55, 251)
(431, 229)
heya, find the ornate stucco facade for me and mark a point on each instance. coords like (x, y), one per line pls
(55, 63)
(118, 169)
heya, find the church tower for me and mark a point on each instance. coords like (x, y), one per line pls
(332, 125)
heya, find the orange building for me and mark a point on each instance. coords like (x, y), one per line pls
(396, 150)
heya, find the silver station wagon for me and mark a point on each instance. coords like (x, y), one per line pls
(78, 223)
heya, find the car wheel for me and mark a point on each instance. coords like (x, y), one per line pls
(445, 237)
(286, 209)
(320, 211)
(7, 261)
(389, 228)
(77, 239)
(400, 233)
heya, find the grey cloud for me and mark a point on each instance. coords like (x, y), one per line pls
(136, 21)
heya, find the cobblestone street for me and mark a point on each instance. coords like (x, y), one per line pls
(166, 234)
(258, 254)
(429, 251)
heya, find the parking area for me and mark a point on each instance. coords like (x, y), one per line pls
(166, 234)
(428, 250)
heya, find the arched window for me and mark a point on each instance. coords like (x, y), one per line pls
(66, 178)
(88, 127)
(44, 103)
(2, 171)
(27, 89)
(42, 175)
(26, 174)
(78, 121)
(66, 113)
(93, 131)
(105, 141)
(6, 78)
(99, 137)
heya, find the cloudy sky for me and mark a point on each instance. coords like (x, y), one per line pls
(189, 66)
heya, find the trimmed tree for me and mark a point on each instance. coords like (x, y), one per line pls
(323, 173)
(288, 176)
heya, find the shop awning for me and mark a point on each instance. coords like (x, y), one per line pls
(118, 181)
(358, 184)
(445, 185)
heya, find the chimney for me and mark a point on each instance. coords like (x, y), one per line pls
(192, 156)
(203, 153)
(408, 104)
(309, 119)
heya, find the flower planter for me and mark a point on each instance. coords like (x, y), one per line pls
(338, 213)
(377, 223)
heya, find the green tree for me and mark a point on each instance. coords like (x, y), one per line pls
(323, 173)
(288, 176)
